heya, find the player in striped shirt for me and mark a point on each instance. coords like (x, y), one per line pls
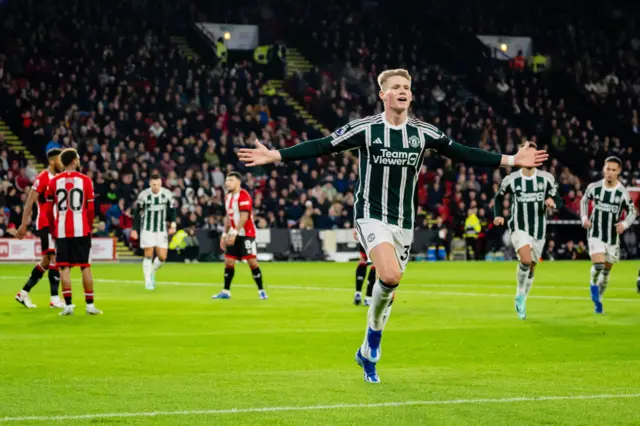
(239, 238)
(43, 231)
(154, 209)
(71, 213)
(391, 149)
(605, 225)
(534, 193)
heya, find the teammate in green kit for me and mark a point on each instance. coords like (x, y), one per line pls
(534, 194)
(610, 198)
(154, 209)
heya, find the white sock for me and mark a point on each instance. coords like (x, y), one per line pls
(157, 264)
(378, 310)
(528, 285)
(522, 275)
(603, 282)
(147, 265)
(55, 299)
(90, 305)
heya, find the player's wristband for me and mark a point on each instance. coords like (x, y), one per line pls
(233, 232)
(511, 160)
(584, 219)
(224, 235)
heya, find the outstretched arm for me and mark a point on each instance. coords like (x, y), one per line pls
(348, 137)
(262, 155)
(480, 157)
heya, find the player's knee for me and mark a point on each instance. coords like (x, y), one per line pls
(525, 266)
(162, 257)
(46, 261)
(390, 277)
(599, 266)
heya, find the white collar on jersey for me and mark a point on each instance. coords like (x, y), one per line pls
(606, 188)
(398, 127)
(535, 173)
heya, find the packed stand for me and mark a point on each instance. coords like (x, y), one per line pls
(131, 103)
(364, 44)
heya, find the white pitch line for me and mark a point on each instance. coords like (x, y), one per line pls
(434, 285)
(320, 407)
(329, 288)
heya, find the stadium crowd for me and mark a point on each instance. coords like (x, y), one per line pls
(106, 80)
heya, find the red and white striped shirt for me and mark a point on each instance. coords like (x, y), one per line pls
(40, 186)
(240, 202)
(70, 195)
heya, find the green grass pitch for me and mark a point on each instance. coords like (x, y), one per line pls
(454, 351)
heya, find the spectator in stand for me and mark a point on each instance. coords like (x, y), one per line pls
(550, 251)
(568, 252)
(101, 231)
(519, 62)
(582, 253)
(53, 143)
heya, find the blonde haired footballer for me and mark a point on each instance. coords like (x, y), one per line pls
(391, 148)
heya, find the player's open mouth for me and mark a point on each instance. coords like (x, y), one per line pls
(402, 99)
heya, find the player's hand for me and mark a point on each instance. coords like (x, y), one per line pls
(172, 229)
(355, 235)
(620, 228)
(231, 239)
(530, 158)
(22, 231)
(550, 203)
(134, 234)
(223, 244)
(258, 155)
(586, 224)
(498, 221)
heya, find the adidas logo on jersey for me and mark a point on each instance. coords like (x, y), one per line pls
(377, 142)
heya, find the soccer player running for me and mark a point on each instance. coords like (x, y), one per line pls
(610, 199)
(239, 238)
(154, 208)
(71, 212)
(534, 194)
(391, 149)
(361, 273)
(43, 231)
